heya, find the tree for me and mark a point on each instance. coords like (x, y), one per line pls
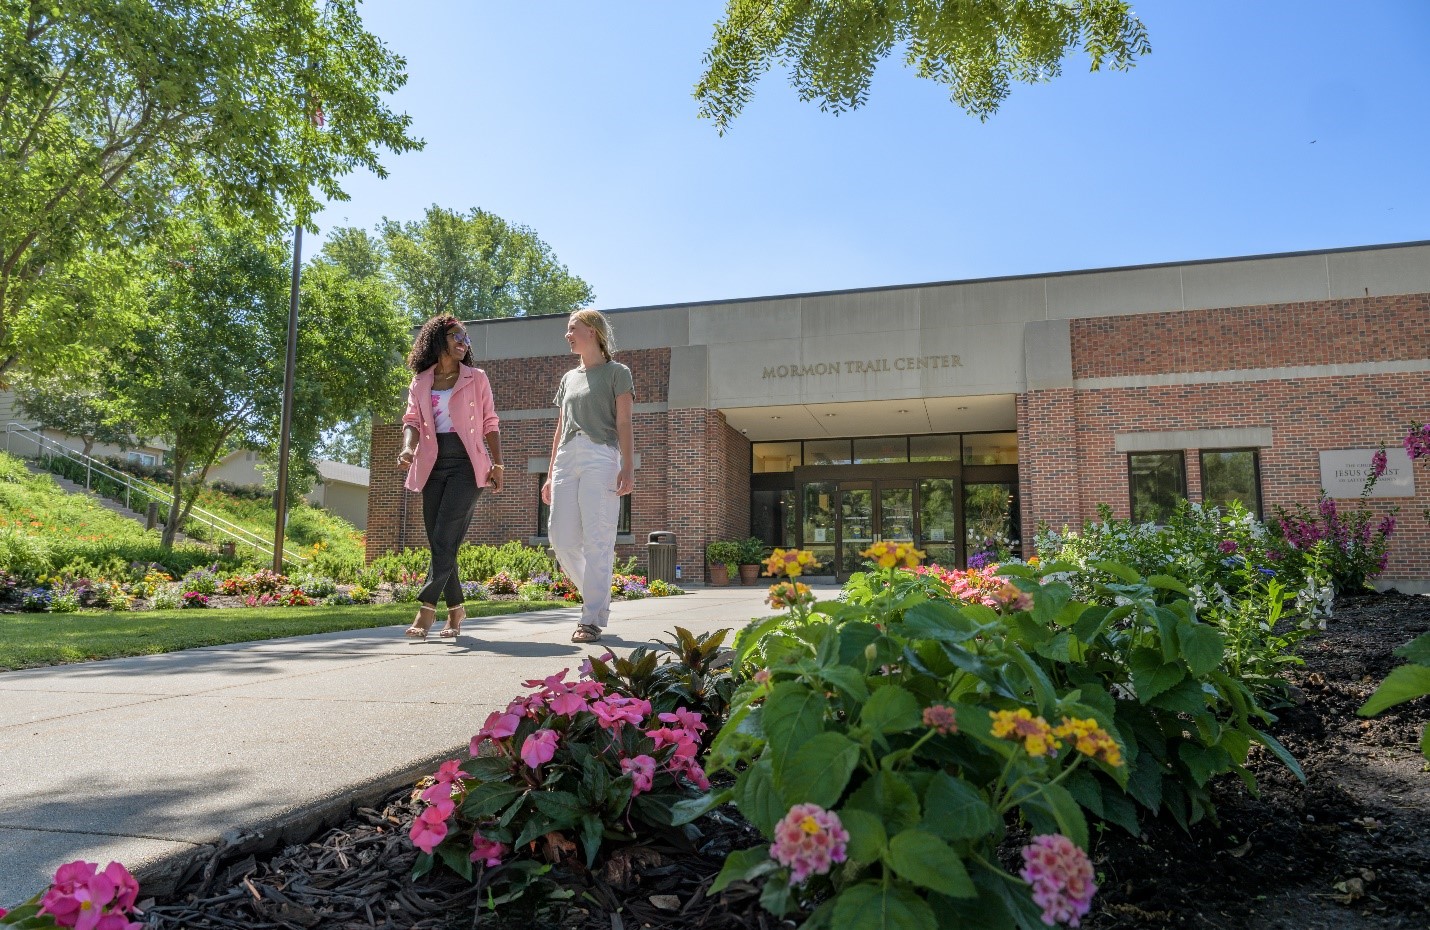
(477, 266)
(206, 370)
(73, 405)
(114, 111)
(975, 47)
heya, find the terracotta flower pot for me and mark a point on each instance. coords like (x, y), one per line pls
(749, 574)
(717, 575)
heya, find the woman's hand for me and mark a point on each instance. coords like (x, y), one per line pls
(405, 457)
(625, 481)
(546, 492)
(494, 478)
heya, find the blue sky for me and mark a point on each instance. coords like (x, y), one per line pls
(1254, 126)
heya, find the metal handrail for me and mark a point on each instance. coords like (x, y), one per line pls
(132, 484)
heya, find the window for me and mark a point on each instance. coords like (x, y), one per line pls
(990, 449)
(543, 513)
(883, 449)
(933, 448)
(1157, 482)
(1232, 475)
(827, 452)
(140, 458)
(774, 457)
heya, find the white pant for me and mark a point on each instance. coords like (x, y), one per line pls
(584, 511)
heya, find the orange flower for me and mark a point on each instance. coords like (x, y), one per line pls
(1020, 725)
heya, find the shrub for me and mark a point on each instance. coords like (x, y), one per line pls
(389, 566)
(532, 592)
(360, 594)
(1352, 541)
(67, 598)
(474, 591)
(36, 600)
(580, 758)
(165, 598)
(202, 581)
(316, 586)
(1409, 681)
(194, 599)
(723, 552)
(514, 558)
(338, 599)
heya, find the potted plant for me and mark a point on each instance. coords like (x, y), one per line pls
(723, 555)
(752, 553)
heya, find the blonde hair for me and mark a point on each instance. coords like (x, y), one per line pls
(600, 326)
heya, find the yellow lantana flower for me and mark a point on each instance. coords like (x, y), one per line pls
(791, 562)
(887, 553)
(1020, 725)
(1091, 740)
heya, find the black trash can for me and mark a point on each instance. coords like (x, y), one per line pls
(660, 556)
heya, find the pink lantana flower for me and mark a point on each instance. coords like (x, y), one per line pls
(642, 769)
(809, 840)
(539, 748)
(1062, 878)
(488, 852)
(941, 718)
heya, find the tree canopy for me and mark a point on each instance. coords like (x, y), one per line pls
(477, 266)
(206, 369)
(114, 111)
(975, 47)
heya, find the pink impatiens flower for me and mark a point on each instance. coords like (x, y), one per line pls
(1061, 876)
(687, 719)
(809, 840)
(498, 726)
(568, 704)
(539, 748)
(642, 769)
(430, 827)
(488, 852)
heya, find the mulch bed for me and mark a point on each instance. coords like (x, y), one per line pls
(1350, 850)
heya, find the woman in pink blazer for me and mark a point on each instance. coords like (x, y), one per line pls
(451, 449)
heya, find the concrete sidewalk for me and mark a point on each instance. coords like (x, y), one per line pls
(152, 761)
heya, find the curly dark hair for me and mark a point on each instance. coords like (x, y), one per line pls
(431, 342)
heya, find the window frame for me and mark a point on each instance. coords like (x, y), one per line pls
(1255, 472)
(1131, 492)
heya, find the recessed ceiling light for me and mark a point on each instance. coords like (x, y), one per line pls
(901, 411)
(829, 414)
(962, 408)
(774, 416)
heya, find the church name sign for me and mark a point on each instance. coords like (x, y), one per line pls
(855, 366)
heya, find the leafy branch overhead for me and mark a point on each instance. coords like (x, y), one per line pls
(975, 47)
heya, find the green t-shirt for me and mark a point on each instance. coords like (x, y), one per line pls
(587, 398)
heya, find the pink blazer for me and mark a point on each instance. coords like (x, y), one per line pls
(474, 415)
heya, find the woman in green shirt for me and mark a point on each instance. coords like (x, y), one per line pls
(592, 467)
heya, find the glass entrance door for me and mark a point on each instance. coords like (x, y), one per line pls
(870, 511)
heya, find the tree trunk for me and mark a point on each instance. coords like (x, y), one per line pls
(88, 444)
(171, 527)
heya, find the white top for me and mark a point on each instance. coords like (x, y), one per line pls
(442, 410)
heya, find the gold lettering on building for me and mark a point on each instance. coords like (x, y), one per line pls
(861, 366)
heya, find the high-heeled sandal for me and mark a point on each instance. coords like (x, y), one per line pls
(418, 629)
(455, 616)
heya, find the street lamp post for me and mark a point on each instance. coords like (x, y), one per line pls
(286, 422)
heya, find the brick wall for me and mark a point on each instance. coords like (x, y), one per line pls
(1320, 333)
(1069, 462)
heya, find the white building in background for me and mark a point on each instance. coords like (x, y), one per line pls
(341, 488)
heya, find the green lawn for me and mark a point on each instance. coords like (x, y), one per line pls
(28, 640)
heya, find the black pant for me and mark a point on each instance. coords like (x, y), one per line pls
(448, 499)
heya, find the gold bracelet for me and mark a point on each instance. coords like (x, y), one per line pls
(502, 467)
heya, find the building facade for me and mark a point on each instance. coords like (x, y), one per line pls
(963, 415)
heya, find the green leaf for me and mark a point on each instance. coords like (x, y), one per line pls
(927, 861)
(888, 796)
(938, 620)
(1280, 752)
(1044, 693)
(1118, 570)
(792, 715)
(1145, 782)
(561, 807)
(488, 798)
(1202, 647)
(854, 638)
(744, 865)
(890, 709)
(592, 829)
(457, 858)
(1187, 697)
(1168, 583)
(1417, 650)
(423, 865)
(683, 812)
(819, 771)
(1095, 619)
(748, 639)
(1049, 601)
(1055, 800)
(1150, 676)
(867, 837)
(955, 810)
(757, 798)
(1013, 894)
(1167, 630)
(1118, 808)
(777, 898)
(1203, 761)
(848, 680)
(1405, 683)
(876, 906)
